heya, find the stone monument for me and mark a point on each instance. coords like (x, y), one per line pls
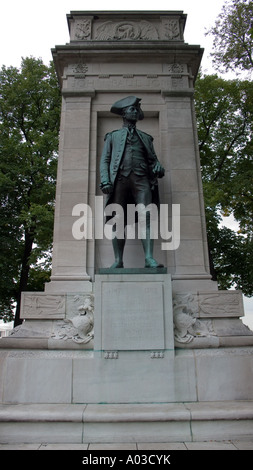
(128, 334)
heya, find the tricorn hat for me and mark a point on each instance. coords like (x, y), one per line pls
(117, 108)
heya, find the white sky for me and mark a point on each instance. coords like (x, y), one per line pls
(31, 28)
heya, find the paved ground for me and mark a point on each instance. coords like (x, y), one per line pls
(211, 445)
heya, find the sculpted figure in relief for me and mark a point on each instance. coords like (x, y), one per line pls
(80, 327)
(186, 325)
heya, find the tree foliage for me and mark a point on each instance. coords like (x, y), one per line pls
(225, 124)
(29, 127)
(233, 36)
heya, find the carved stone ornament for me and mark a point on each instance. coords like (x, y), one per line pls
(80, 68)
(175, 68)
(218, 304)
(186, 325)
(126, 30)
(41, 305)
(79, 328)
(157, 355)
(83, 30)
(225, 304)
(171, 29)
(111, 355)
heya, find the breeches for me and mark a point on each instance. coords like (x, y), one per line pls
(133, 185)
(136, 189)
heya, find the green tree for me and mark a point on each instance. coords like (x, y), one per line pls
(225, 124)
(233, 36)
(29, 128)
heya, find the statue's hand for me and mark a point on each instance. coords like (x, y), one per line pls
(158, 170)
(107, 188)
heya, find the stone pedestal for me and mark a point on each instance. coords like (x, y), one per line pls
(134, 343)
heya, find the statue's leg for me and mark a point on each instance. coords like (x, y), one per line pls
(148, 246)
(143, 196)
(118, 242)
(118, 248)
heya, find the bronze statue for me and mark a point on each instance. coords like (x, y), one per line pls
(129, 169)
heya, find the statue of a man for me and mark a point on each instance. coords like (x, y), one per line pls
(129, 169)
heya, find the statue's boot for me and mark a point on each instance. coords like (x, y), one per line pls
(118, 248)
(148, 246)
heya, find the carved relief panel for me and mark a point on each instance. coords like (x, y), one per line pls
(166, 28)
(211, 304)
(42, 306)
(208, 314)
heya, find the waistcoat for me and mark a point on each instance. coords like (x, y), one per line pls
(134, 156)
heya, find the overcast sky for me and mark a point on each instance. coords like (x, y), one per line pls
(31, 28)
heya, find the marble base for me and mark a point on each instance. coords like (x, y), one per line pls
(200, 375)
(170, 422)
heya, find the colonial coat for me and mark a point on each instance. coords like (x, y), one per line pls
(112, 154)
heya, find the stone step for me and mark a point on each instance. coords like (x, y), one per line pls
(166, 422)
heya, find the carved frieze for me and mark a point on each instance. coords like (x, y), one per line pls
(83, 29)
(221, 303)
(218, 304)
(126, 30)
(42, 306)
